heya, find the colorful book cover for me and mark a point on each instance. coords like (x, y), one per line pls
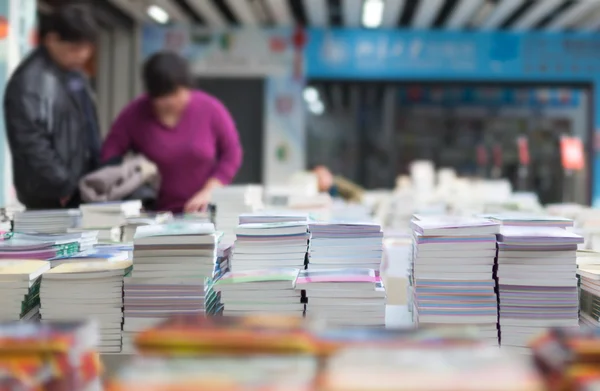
(284, 274)
(337, 275)
(181, 334)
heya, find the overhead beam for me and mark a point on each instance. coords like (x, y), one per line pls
(573, 15)
(462, 14)
(243, 11)
(591, 22)
(175, 13)
(391, 12)
(500, 13)
(426, 13)
(209, 13)
(135, 10)
(316, 11)
(281, 12)
(538, 12)
(352, 11)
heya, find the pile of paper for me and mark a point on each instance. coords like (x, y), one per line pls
(345, 245)
(262, 291)
(537, 283)
(262, 246)
(87, 290)
(452, 273)
(170, 265)
(232, 201)
(54, 221)
(45, 246)
(20, 289)
(343, 297)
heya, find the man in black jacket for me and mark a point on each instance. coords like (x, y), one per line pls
(51, 120)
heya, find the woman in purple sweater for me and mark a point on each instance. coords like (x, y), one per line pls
(188, 134)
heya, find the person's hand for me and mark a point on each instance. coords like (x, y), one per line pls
(64, 201)
(198, 203)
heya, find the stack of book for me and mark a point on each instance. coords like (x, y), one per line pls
(45, 246)
(292, 372)
(212, 301)
(87, 290)
(345, 245)
(530, 220)
(171, 265)
(343, 297)
(52, 356)
(54, 221)
(20, 289)
(452, 273)
(268, 291)
(232, 201)
(262, 246)
(94, 255)
(537, 283)
(589, 295)
(133, 223)
(273, 217)
(108, 218)
(445, 367)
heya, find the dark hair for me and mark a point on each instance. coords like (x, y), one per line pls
(164, 73)
(74, 23)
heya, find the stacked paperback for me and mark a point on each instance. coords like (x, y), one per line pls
(452, 273)
(45, 246)
(537, 283)
(212, 302)
(87, 290)
(54, 221)
(132, 224)
(172, 264)
(262, 291)
(589, 295)
(20, 289)
(345, 245)
(107, 218)
(343, 297)
(232, 201)
(270, 245)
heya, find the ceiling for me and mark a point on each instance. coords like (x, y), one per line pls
(514, 15)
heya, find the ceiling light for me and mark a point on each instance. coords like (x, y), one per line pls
(317, 107)
(158, 14)
(372, 13)
(311, 94)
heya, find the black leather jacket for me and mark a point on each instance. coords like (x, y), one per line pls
(46, 129)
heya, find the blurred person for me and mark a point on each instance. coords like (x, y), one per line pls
(188, 134)
(50, 115)
(337, 186)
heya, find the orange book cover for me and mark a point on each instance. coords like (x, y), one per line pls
(218, 334)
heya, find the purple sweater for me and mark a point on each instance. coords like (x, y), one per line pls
(203, 145)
